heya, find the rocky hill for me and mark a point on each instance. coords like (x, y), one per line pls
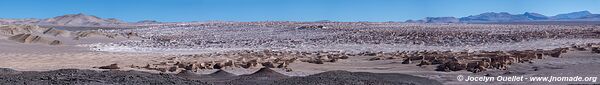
(79, 20)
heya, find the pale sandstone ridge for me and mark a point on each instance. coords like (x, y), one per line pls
(32, 34)
(9, 30)
(53, 36)
(21, 29)
(30, 38)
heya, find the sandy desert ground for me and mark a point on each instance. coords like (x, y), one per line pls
(300, 53)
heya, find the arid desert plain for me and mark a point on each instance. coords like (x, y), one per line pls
(296, 53)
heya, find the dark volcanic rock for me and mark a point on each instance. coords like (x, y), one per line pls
(266, 72)
(188, 74)
(221, 73)
(111, 66)
(264, 76)
(6, 71)
(218, 77)
(90, 77)
(356, 78)
(260, 77)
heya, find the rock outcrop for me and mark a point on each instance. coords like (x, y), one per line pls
(31, 38)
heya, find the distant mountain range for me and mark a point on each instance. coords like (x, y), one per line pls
(491, 17)
(72, 20)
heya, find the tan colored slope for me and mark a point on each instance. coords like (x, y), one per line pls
(20, 29)
(11, 30)
(52, 36)
(32, 34)
(56, 32)
(31, 38)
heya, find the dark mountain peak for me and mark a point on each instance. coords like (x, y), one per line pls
(504, 17)
(504, 13)
(79, 15)
(591, 17)
(415, 21)
(531, 13)
(583, 12)
(573, 15)
(441, 20)
(491, 17)
(148, 21)
(494, 13)
(535, 16)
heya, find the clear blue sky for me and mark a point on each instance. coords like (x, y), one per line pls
(284, 10)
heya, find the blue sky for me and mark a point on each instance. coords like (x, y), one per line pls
(284, 10)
